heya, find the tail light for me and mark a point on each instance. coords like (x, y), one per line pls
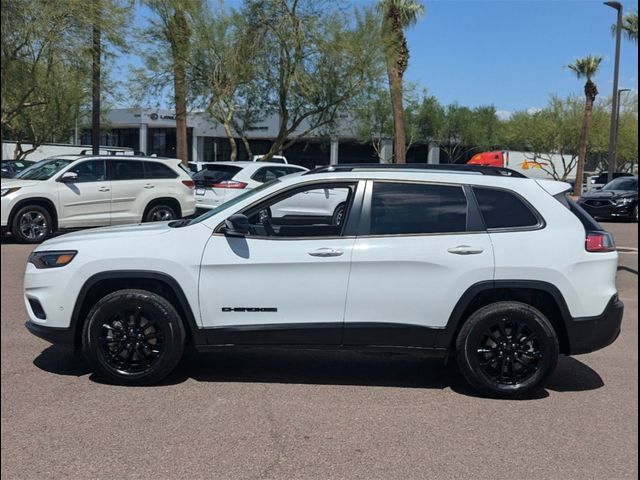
(229, 184)
(189, 183)
(600, 242)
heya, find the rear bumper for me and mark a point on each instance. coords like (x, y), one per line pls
(57, 336)
(593, 333)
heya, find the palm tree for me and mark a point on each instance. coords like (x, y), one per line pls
(629, 27)
(585, 68)
(397, 16)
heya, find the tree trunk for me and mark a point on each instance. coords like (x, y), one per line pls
(179, 40)
(247, 146)
(397, 107)
(232, 141)
(582, 148)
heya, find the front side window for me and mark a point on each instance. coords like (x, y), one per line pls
(312, 211)
(503, 209)
(412, 208)
(127, 170)
(90, 171)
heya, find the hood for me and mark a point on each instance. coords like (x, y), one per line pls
(609, 194)
(132, 232)
(18, 183)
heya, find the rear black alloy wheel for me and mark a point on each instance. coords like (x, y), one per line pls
(507, 349)
(160, 213)
(31, 224)
(133, 337)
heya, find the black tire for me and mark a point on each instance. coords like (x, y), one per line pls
(133, 337)
(338, 215)
(31, 224)
(507, 350)
(161, 212)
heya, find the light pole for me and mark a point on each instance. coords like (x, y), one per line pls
(614, 107)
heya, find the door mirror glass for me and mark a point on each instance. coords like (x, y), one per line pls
(68, 177)
(236, 225)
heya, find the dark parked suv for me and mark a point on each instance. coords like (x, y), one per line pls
(617, 199)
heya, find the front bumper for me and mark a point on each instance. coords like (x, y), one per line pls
(610, 211)
(593, 333)
(57, 336)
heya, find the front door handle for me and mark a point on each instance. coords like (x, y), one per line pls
(466, 250)
(326, 252)
(104, 189)
(149, 185)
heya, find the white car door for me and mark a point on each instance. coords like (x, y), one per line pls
(131, 191)
(419, 256)
(281, 284)
(86, 200)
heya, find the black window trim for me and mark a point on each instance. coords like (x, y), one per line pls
(475, 223)
(542, 224)
(352, 214)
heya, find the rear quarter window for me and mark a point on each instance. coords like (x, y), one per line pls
(503, 210)
(156, 170)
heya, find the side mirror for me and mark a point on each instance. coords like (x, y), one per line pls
(236, 226)
(68, 177)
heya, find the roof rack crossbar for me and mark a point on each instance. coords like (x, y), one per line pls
(453, 168)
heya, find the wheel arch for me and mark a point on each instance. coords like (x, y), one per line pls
(101, 284)
(39, 201)
(541, 295)
(170, 201)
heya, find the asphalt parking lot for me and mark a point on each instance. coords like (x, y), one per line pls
(270, 414)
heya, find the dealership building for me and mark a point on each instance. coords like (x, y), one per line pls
(154, 132)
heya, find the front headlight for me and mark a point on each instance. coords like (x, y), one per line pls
(52, 259)
(7, 191)
(625, 201)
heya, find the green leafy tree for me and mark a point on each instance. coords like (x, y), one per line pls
(585, 69)
(398, 15)
(629, 27)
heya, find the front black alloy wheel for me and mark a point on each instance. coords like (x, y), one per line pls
(31, 224)
(507, 349)
(133, 337)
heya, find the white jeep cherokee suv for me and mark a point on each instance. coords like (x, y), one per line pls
(501, 272)
(72, 191)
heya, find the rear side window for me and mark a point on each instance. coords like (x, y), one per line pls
(217, 173)
(406, 208)
(502, 209)
(127, 170)
(158, 170)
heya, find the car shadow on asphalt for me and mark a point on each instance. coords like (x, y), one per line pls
(308, 367)
(623, 268)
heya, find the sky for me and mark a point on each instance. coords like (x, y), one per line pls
(510, 53)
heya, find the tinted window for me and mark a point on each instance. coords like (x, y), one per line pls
(158, 170)
(91, 171)
(127, 169)
(624, 184)
(215, 174)
(267, 174)
(502, 209)
(398, 208)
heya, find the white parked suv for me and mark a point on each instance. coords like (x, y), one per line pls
(482, 265)
(72, 191)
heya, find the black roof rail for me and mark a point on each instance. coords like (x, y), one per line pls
(453, 168)
(135, 153)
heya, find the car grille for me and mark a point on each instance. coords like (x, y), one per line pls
(600, 203)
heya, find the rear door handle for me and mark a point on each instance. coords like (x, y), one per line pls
(466, 250)
(326, 252)
(149, 185)
(104, 189)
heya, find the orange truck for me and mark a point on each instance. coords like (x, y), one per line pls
(524, 162)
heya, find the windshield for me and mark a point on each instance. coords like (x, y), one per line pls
(44, 170)
(624, 183)
(233, 201)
